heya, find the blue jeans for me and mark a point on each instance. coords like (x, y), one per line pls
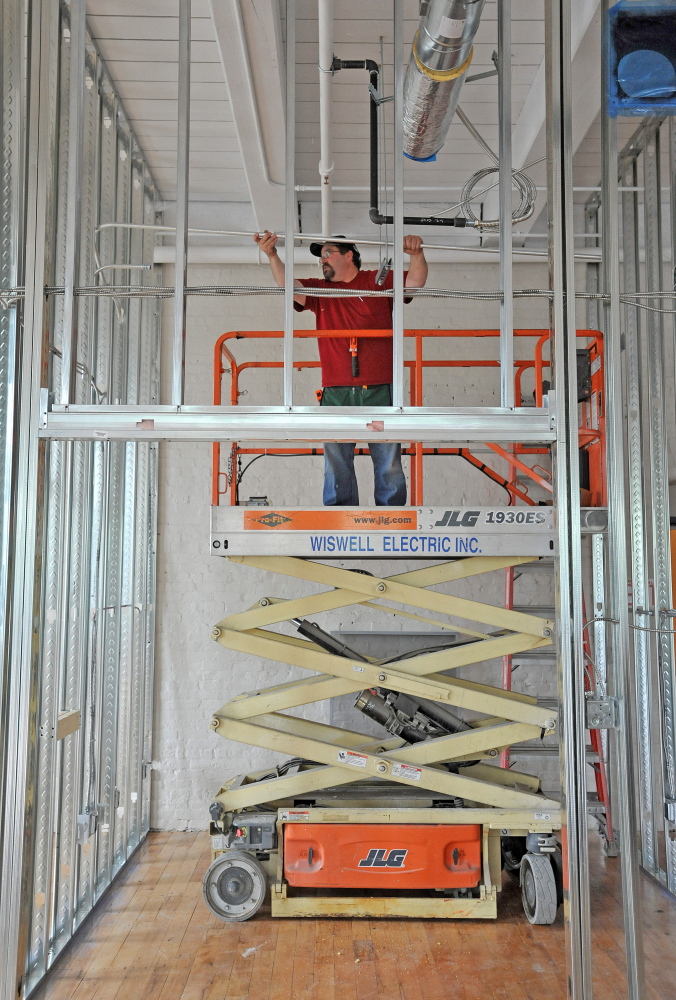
(340, 481)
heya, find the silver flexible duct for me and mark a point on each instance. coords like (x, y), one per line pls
(440, 58)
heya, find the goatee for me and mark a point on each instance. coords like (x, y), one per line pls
(329, 273)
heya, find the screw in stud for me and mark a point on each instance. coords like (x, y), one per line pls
(382, 677)
(215, 633)
(382, 767)
(381, 587)
(546, 633)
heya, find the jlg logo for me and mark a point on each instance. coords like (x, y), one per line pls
(451, 519)
(379, 857)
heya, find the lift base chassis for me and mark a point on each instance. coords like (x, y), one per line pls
(476, 830)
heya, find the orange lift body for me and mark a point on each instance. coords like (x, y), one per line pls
(380, 856)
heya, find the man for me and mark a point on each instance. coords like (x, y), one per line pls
(358, 372)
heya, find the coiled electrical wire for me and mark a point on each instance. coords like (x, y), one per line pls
(524, 185)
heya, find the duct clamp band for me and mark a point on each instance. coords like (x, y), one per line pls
(441, 75)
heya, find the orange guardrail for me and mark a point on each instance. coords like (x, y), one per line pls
(592, 409)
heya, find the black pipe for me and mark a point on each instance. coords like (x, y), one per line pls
(374, 211)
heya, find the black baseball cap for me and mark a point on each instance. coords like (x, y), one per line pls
(316, 248)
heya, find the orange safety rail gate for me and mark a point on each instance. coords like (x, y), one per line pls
(592, 410)
(591, 440)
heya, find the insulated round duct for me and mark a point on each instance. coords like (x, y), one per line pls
(440, 58)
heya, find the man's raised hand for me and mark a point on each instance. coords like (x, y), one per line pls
(267, 242)
(412, 245)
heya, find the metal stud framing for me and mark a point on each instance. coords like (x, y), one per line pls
(13, 68)
(646, 378)
(567, 500)
(83, 545)
(624, 742)
(83, 498)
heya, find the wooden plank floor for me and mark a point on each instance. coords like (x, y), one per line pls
(154, 939)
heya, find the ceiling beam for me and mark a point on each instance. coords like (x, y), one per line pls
(248, 34)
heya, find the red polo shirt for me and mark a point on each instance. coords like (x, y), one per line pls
(375, 353)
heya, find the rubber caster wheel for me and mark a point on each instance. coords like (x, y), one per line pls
(234, 886)
(538, 889)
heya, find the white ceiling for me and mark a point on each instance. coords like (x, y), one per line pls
(139, 42)
(237, 119)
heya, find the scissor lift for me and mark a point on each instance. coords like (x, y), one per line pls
(350, 813)
(378, 825)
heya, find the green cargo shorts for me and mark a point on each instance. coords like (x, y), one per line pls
(357, 395)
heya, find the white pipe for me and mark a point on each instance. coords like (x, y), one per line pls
(325, 17)
(302, 256)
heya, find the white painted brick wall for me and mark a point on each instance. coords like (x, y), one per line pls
(194, 675)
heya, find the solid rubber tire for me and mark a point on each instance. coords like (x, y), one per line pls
(538, 889)
(215, 872)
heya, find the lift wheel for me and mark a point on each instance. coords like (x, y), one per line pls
(234, 886)
(538, 888)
